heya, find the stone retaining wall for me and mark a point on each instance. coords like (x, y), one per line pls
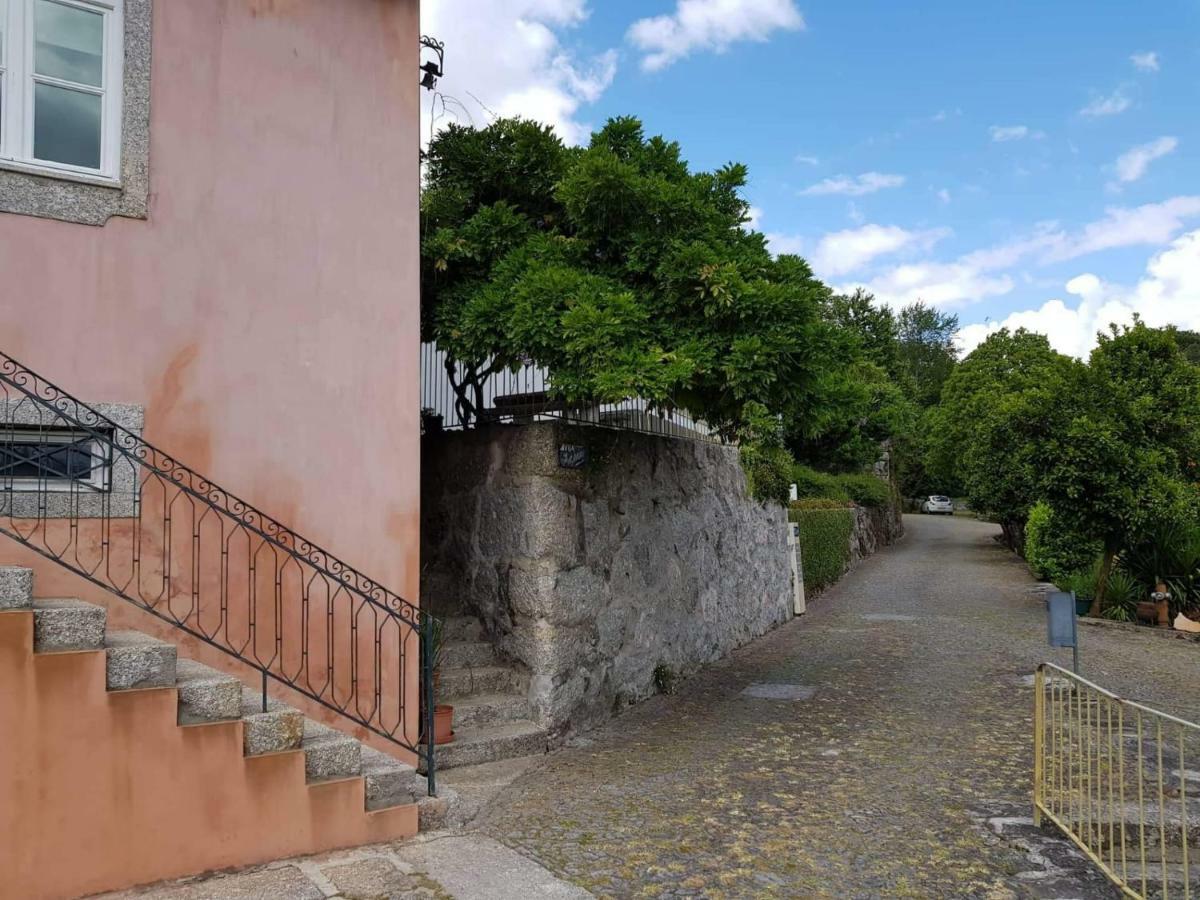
(652, 554)
(874, 528)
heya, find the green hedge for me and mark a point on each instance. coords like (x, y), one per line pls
(863, 489)
(867, 490)
(824, 544)
(1052, 550)
(819, 485)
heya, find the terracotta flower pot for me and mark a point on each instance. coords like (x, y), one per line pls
(443, 724)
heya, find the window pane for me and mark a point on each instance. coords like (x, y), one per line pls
(66, 126)
(27, 459)
(70, 43)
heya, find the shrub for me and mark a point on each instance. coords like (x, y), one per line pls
(813, 484)
(867, 490)
(824, 544)
(768, 472)
(1125, 590)
(1054, 550)
(1168, 553)
(798, 506)
(860, 488)
(1124, 593)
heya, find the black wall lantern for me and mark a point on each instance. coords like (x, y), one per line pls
(431, 70)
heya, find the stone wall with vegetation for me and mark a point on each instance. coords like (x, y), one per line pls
(835, 539)
(651, 557)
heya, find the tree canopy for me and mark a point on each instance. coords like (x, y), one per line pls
(1110, 446)
(618, 270)
(997, 407)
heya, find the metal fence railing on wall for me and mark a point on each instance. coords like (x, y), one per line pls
(527, 395)
(1120, 779)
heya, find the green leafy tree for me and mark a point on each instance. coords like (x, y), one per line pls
(999, 407)
(618, 270)
(926, 350)
(1189, 345)
(869, 404)
(1126, 461)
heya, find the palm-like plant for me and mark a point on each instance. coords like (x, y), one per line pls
(1169, 554)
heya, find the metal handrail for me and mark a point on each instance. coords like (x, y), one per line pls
(1112, 774)
(82, 524)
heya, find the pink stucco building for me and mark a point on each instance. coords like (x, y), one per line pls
(208, 210)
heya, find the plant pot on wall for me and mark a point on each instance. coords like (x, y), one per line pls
(443, 724)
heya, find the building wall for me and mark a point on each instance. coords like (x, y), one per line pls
(265, 313)
(650, 555)
(103, 790)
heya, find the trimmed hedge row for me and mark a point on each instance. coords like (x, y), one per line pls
(824, 544)
(863, 489)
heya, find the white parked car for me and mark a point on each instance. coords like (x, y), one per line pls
(938, 505)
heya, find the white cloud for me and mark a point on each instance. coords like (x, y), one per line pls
(1168, 294)
(847, 251)
(1151, 223)
(753, 217)
(941, 284)
(509, 59)
(710, 25)
(785, 243)
(854, 186)
(1002, 133)
(807, 160)
(1116, 102)
(1146, 62)
(944, 195)
(1132, 164)
(980, 274)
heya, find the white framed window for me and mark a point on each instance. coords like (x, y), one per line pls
(60, 87)
(52, 459)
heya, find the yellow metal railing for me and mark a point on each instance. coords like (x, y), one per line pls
(1114, 776)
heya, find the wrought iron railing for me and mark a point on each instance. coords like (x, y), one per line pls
(1114, 776)
(80, 486)
(456, 397)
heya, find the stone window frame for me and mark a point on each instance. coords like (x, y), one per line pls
(121, 491)
(72, 198)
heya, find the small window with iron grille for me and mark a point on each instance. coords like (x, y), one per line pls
(53, 459)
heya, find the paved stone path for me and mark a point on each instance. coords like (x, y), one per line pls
(903, 772)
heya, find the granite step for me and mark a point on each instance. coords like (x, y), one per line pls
(16, 588)
(470, 681)
(328, 753)
(472, 746)
(482, 710)
(61, 624)
(136, 660)
(389, 782)
(465, 654)
(277, 730)
(206, 695)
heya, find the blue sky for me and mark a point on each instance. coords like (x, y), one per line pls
(1021, 163)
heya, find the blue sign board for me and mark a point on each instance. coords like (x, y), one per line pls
(1060, 608)
(1060, 624)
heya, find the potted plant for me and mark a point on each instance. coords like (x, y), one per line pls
(443, 713)
(432, 421)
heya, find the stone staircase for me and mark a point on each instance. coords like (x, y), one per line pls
(489, 696)
(137, 662)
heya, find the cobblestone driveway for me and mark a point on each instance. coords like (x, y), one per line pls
(881, 783)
